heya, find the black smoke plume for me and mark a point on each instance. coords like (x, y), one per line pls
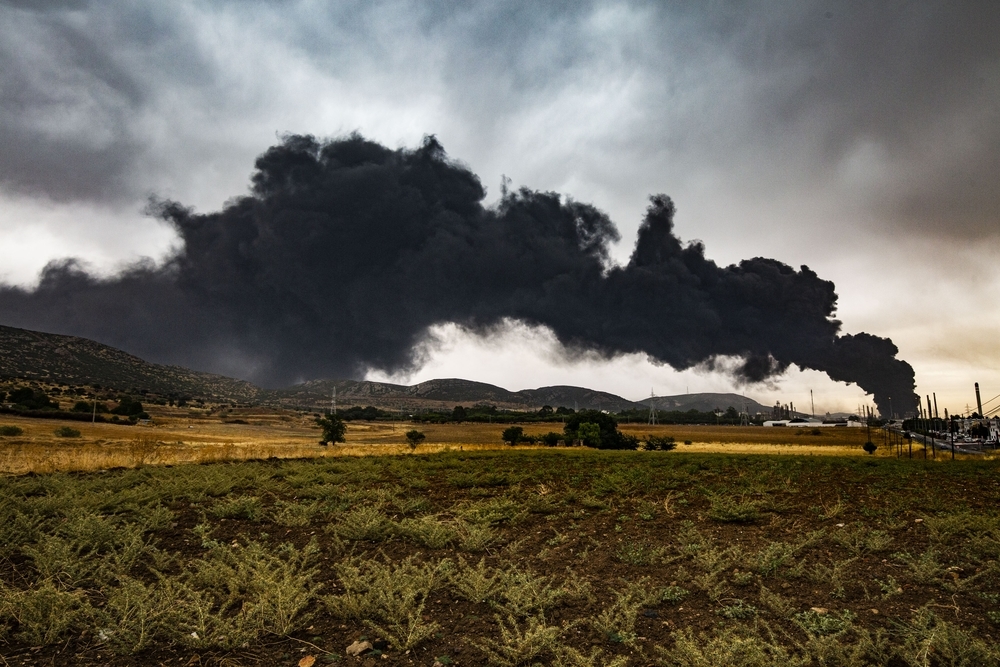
(345, 252)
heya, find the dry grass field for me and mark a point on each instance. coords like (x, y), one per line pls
(193, 435)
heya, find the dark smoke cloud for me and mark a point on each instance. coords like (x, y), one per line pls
(346, 252)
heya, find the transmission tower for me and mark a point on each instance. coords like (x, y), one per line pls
(745, 415)
(652, 408)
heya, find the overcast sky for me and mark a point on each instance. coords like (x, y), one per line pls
(862, 139)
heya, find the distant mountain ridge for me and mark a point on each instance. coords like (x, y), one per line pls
(443, 393)
(707, 402)
(55, 358)
(449, 392)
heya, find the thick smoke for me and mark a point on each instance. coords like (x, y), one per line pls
(346, 252)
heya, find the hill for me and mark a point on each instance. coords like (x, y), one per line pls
(433, 394)
(442, 394)
(707, 402)
(57, 359)
(447, 393)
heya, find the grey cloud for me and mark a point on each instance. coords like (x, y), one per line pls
(796, 88)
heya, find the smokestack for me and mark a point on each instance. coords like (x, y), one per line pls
(979, 402)
(345, 253)
(930, 413)
(935, 405)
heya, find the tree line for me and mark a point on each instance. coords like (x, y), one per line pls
(33, 402)
(490, 413)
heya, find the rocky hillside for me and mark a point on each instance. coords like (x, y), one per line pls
(57, 359)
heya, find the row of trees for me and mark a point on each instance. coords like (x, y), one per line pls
(29, 399)
(492, 414)
(35, 400)
(591, 428)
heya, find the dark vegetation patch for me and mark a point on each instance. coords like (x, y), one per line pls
(508, 558)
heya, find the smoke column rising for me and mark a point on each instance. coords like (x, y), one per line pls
(346, 252)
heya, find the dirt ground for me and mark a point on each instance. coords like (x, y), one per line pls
(514, 557)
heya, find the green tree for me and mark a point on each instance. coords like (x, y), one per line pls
(333, 429)
(589, 433)
(414, 438)
(88, 406)
(32, 399)
(551, 439)
(659, 443)
(128, 407)
(458, 414)
(609, 436)
(512, 435)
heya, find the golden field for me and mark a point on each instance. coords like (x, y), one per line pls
(199, 435)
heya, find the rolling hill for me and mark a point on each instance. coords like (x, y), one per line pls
(69, 360)
(442, 394)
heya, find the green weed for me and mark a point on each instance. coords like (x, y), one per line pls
(520, 643)
(732, 509)
(249, 508)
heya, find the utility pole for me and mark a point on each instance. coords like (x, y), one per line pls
(812, 404)
(93, 417)
(951, 434)
(652, 408)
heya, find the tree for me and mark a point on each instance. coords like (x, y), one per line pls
(870, 447)
(333, 429)
(127, 407)
(660, 443)
(551, 439)
(589, 433)
(458, 414)
(32, 399)
(512, 435)
(414, 438)
(608, 436)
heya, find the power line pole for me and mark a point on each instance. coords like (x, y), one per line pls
(652, 408)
